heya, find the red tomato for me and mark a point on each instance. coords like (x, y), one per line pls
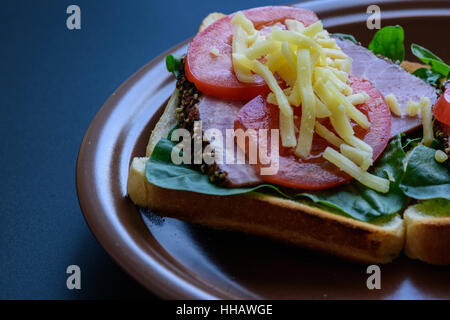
(214, 75)
(316, 173)
(441, 109)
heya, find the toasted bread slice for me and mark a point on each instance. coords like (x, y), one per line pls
(290, 221)
(165, 123)
(413, 66)
(210, 19)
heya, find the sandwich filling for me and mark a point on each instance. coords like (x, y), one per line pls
(336, 107)
(282, 46)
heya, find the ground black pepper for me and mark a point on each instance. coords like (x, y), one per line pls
(186, 114)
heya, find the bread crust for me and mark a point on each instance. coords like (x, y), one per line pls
(265, 215)
(284, 220)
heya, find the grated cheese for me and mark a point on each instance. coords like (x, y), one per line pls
(391, 100)
(427, 120)
(412, 108)
(215, 52)
(369, 180)
(316, 72)
(304, 84)
(358, 98)
(328, 135)
(360, 157)
(440, 156)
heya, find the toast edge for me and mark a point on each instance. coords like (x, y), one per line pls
(427, 237)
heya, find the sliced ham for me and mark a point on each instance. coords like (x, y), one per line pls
(220, 114)
(389, 78)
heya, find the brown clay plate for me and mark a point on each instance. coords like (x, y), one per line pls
(175, 259)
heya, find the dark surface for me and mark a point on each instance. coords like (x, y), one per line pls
(53, 81)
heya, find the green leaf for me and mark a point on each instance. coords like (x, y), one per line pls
(424, 177)
(437, 144)
(411, 142)
(428, 57)
(434, 207)
(161, 171)
(429, 76)
(388, 42)
(346, 36)
(363, 203)
(173, 65)
(352, 200)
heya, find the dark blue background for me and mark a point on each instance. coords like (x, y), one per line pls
(52, 83)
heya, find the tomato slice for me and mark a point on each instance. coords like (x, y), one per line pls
(214, 75)
(441, 109)
(316, 173)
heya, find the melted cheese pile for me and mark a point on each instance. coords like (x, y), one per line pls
(316, 73)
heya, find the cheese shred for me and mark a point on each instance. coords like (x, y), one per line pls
(369, 180)
(391, 101)
(427, 120)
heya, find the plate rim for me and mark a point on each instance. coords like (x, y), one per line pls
(179, 288)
